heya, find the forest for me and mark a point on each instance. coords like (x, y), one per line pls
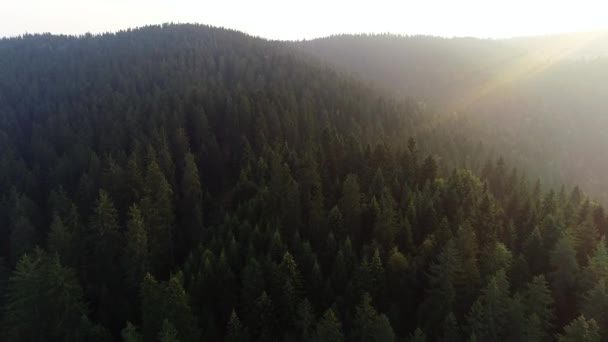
(540, 102)
(192, 183)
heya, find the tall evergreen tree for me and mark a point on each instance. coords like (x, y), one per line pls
(135, 255)
(43, 301)
(328, 328)
(157, 210)
(580, 330)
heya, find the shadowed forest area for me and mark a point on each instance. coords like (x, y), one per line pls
(191, 183)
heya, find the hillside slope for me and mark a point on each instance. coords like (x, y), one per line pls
(539, 101)
(184, 182)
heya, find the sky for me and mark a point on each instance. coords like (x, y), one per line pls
(291, 20)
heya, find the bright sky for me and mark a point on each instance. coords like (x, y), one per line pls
(288, 19)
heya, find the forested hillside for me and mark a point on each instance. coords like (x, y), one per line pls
(188, 183)
(540, 101)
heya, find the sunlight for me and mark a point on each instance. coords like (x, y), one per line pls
(534, 62)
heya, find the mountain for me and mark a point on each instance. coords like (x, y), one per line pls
(538, 101)
(185, 182)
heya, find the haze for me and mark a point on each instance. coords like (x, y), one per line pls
(288, 21)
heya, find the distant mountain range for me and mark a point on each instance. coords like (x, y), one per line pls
(542, 102)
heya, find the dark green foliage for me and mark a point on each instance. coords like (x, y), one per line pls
(43, 302)
(192, 183)
(168, 333)
(157, 209)
(328, 328)
(130, 334)
(489, 318)
(580, 330)
(166, 311)
(595, 306)
(235, 332)
(539, 305)
(564, 277)
(136, 260)
(417, 336)
(369, 325)
(526, 116)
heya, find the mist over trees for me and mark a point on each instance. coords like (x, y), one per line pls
(188, 183)
(540, 102)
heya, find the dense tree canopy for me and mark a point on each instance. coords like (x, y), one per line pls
(187, 183)
(539, 101)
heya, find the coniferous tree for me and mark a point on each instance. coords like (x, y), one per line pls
(43, 301)
(563, 276)
(595, 306)
(135, 257)
(272, 187)
(328, 328)
(130, 333)
(442, 294)
(235, 332)
(305, 320)
(157, 210)
(539, 303)
(167, 332)
(488, 317)
(580, 330)
(369, 325)
(350, 204)
(61, 240)
(168, 302)
(417, 336)
(191, 205)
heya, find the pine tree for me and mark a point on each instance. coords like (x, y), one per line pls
(167, 332)
(369, 325)
(450, 331)
(468, 281)
(157, 210)
(586, 237)
(329, 328)
(536, 255)
(265, 322)
(61, 240)
(191, 205)
(335, 222)
(385, 227)
(597, 266)
(350, 204)
(377, 277)
(235, 332)
(441, 292)
(417, 336)
(136, 250)
(488, 317)
(428, 170)
(382, 330)
(166, 301)
(580, 330)
(130, 334)
(539, 303)
(43, 301)
(516, 319)
(105, 242)
(22, 238)
(305, 320)
(106, 245)
(533, 330)
(496, 259)
(291, 288)
(563, 276)
(595, 306)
